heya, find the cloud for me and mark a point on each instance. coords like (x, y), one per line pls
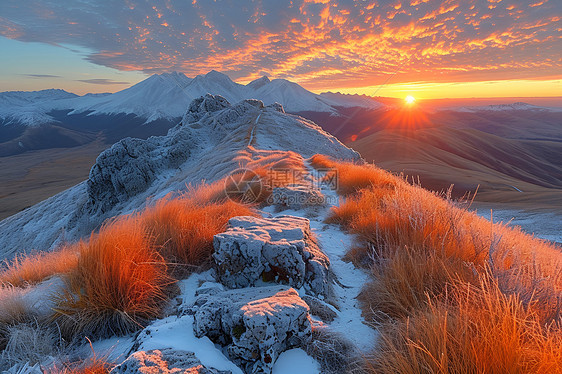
(41, 76)
(315, 42)
(101, 81)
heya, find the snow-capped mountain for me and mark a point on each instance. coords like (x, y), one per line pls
(30, 107)
(159, 96)
(167, 95)
(347, 100)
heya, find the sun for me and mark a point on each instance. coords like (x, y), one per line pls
(410, 99)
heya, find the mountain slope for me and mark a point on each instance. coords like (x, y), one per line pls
(213, 139)
(502, 169)
(159, 96)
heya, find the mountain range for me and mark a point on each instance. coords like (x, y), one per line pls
(165, 96)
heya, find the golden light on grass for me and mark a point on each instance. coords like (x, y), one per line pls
(450, 291)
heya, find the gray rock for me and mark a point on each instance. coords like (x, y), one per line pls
(203, 105)
(164, 361)
(280, 249)
(276, 106)
(297, 197)
(255, 324)
(131, 165)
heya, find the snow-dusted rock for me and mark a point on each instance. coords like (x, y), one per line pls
(130, 166)
(203, 105)
(164, 361)
(255, 324)
(297, 197)
(276, 106)
(280, 249)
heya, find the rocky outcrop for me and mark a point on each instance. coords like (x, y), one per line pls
(131, 165)
(255, 324)
(296, 197)
(204, 105)
(280, 249)
(277, 107)
(164, 361)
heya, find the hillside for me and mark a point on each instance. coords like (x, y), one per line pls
(248, 240)
(512, 155)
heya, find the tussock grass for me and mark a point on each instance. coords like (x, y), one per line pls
(29, 343)
(353, 177)
(119, 284)
(183, 228)
(451, 292)
(91, 366)
(13, 311)
(474, 330)
(34, 268)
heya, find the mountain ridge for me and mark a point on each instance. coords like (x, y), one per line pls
(164, 96)
(214, 138)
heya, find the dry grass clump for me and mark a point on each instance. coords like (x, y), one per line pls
(29, 343)
(404, 280)
(119, 284)
(183, 227)
(474, 330)
(91, 366)
(451, 292)
(121, 277)
(34, 268)
(13, 311)
(352, 178)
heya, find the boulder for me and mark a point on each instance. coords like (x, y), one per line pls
(280, 249)
(130, 166)
(277, 107)
(254, 324)
(164, 361)
(296, 197)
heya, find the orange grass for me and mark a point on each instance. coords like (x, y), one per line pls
(34, 268)
(403, 280)
(183, 228)
(475, 330)
(91, 366)
(119, 284)
(352, 177)
(424, 251)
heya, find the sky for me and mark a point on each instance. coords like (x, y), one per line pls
(427, 48)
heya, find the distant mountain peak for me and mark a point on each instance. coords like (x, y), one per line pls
(257, 83)
(217, 75)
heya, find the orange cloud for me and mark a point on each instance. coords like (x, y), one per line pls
(319, 43)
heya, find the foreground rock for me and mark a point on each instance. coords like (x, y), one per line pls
(255, 324)
(280, 249)
(165, 361)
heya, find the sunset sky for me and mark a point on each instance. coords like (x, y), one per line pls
(427, 48)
